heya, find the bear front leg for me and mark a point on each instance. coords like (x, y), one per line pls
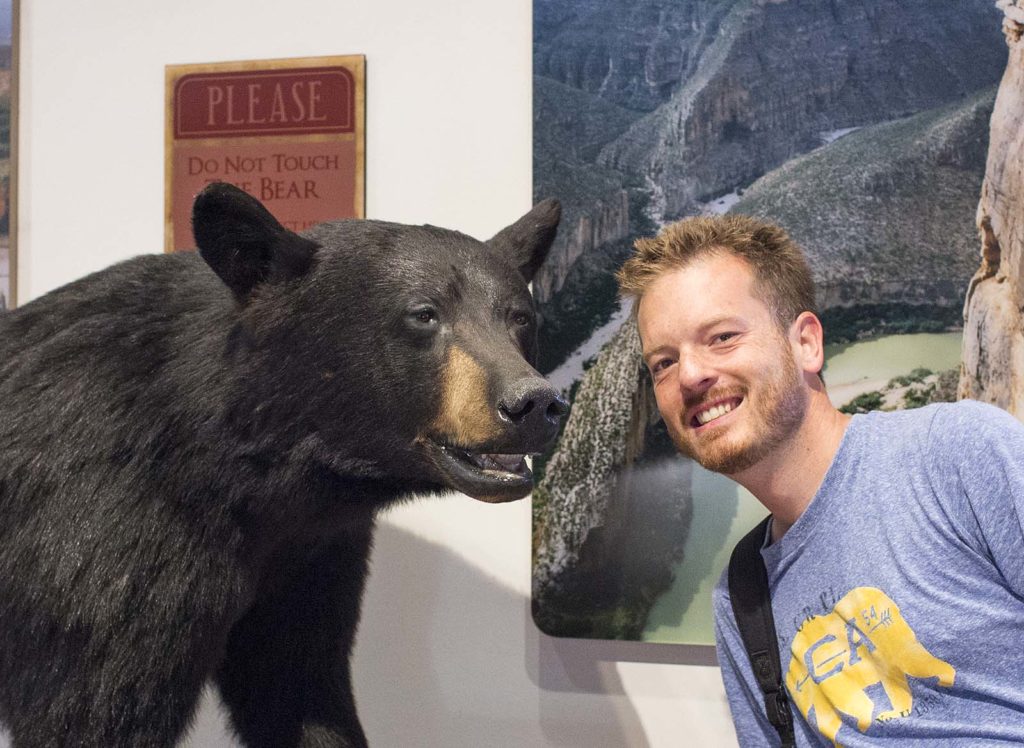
(286, 677)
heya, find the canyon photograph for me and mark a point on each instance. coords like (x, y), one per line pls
(862, 127)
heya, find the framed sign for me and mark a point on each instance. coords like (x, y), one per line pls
(8, 142)
(289, 132)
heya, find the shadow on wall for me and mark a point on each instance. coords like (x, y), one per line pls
(448, 656)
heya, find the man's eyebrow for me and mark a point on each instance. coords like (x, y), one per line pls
(730, 319)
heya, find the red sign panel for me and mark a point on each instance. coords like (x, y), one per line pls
(309, 102)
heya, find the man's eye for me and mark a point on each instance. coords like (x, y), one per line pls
(660, 365)
(725, 337)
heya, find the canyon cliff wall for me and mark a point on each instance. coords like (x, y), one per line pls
(886, 214)
(777, 74)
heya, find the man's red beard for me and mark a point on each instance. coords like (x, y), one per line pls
(779, 405)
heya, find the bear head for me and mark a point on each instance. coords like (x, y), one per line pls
(393, 353)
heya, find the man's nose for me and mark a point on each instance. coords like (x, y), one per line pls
(695, 373)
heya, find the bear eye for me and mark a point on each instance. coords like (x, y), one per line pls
(520, 318)
(424, 317)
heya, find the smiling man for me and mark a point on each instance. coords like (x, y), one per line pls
(895, 550)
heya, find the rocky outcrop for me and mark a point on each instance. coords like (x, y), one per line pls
(606, 529)
(607, 220)
(993, 354)
(599, 436)
(571, 128)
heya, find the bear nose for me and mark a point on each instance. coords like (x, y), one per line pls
(535, 408)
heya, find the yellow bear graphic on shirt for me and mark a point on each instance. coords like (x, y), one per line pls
(863, 642)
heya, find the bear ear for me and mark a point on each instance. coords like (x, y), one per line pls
(243, 243)
(528, 240)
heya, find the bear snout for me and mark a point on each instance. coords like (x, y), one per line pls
(534, 409)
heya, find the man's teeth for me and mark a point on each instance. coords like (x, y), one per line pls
(706, 416)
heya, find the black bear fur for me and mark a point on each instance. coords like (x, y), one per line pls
(191, 462)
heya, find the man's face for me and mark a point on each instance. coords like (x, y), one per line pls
(725, 376)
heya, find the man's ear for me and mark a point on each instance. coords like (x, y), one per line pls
(528, 240)
(808, 337)
(243, 243)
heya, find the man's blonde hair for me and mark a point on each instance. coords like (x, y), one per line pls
(781, 275)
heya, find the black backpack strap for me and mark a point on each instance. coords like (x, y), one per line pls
(752, 606)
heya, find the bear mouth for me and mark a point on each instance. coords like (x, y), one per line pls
(493, 477)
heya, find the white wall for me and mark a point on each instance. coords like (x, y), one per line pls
(447, 654)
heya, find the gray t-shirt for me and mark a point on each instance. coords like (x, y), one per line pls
(899, 593)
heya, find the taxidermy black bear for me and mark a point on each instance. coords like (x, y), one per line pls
(193, 448)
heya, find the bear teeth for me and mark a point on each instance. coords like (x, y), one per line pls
(508, 463)
(499, 462)
(503, 463)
